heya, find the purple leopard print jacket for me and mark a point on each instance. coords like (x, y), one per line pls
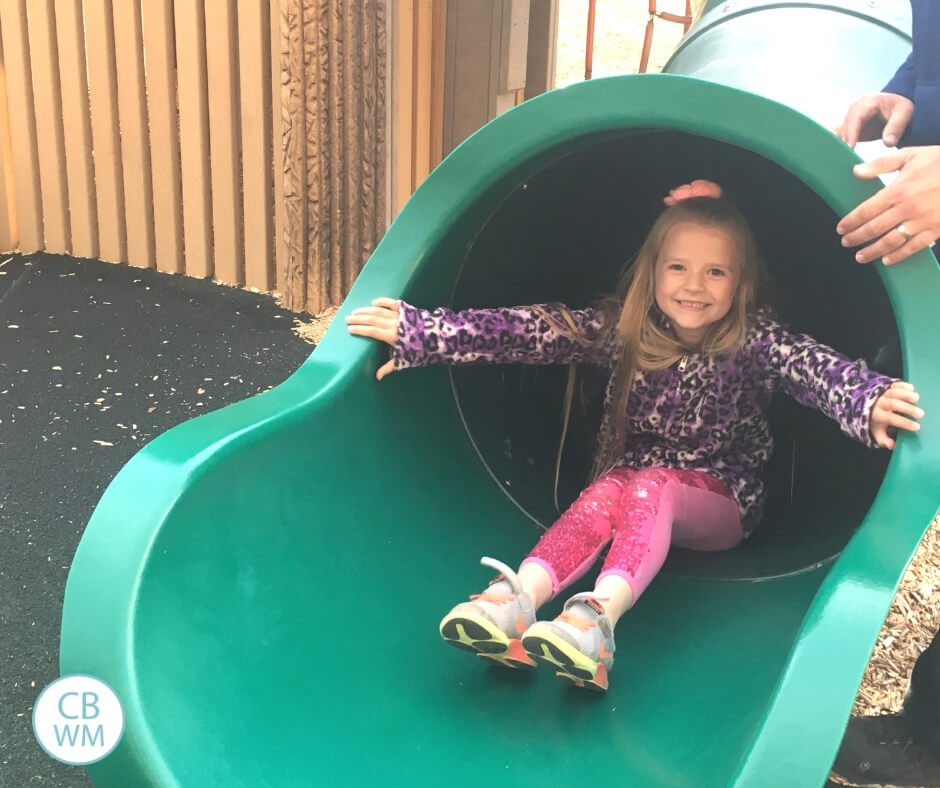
(703, 413)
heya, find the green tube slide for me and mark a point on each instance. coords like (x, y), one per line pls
(262, 585)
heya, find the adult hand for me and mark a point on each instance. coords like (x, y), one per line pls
(905, 215)
(887, 412)
(884, 115)
(379, 321)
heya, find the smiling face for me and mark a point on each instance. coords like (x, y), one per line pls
(697, 275)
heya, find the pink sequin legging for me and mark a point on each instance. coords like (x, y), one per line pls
(640, 512)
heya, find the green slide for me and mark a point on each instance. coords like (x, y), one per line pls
(262, 585)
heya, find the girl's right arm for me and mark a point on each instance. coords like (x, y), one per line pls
(544, 334)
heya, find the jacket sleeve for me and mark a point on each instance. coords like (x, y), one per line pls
(904, 80)
(514, 335)
(820, 377)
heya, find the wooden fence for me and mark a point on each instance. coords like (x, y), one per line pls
(143, 131)
(258, 142)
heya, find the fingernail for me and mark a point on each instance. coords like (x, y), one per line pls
(920, 413)
(840, 230)
(887, 260)
(860, 257)
(891, 140)
(845, 241)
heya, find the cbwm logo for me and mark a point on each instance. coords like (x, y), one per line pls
(78, 719)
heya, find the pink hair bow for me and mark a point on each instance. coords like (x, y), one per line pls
(699, 188)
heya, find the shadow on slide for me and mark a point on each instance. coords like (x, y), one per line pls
(262, 585)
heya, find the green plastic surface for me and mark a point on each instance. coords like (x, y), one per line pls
(816, 57)
(262, 585)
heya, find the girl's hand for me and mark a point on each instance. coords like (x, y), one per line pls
(379, 321)
(888, 409)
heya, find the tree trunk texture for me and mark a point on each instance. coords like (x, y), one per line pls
(333, 105)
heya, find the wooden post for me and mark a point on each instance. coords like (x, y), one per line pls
(543, 45)
(80, 170)
(51, 137)
(135, 135)
(105, 132)
(225, 147)
(24, 149)
(487, 43)
(159, 57)
(334, 111)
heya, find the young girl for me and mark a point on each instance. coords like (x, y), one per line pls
(684, 438)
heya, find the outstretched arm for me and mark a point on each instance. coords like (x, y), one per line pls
(541, 334)
(864, 403)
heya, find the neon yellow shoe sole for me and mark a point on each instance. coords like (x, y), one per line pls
(569, 662)
(478, 634)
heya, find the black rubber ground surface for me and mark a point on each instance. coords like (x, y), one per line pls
(96, 360)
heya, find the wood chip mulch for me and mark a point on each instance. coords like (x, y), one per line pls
(913, 620)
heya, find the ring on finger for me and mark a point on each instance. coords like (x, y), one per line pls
(903, 230)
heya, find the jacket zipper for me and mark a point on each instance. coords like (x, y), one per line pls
(682, 362)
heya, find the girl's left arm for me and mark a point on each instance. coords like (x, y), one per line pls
(864, 403)
(540, 334)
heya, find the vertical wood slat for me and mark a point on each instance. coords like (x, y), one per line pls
(254, 41)
(402, 108)
(373, 125)
(135, 143)
(8, 234)
(418, 103)
(542, 47)
(23, 133)
(424, 28)
(438, 51)
(296, 182)
(224, 141)
(102, 88)
(278, 45)
(334, 183)
(189, 18)
(48, 108)
(312, 125)
(76, 117)
(159, 59)
(350, 210)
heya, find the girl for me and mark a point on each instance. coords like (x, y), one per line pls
(684, 438)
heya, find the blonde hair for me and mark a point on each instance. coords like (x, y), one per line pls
(645, 340)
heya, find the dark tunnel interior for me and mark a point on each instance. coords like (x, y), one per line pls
(565, 232)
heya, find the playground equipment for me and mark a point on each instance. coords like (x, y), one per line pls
(262, 585)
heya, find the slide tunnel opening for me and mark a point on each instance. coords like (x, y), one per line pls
(565, 232)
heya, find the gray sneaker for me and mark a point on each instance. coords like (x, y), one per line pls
(579, 647)
(491, 623)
